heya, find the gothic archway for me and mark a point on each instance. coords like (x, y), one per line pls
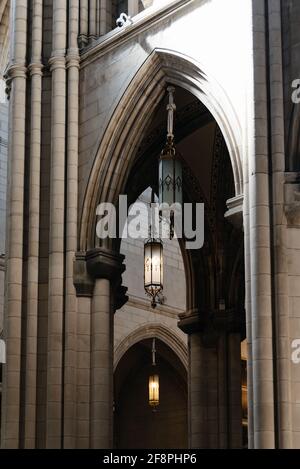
(136, 424)
(215, 308)
(116, 151)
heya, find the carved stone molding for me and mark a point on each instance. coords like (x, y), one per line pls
(210, 324)
(100, 263)
(83, 282)
(292, 199)
(234, 213)
(104, 263)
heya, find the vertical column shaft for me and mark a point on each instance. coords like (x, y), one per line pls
(92, 19)
(84, 23)
(14, 230)
(83, 373)
(33, 234)
(248, 311)
(71, 229)
(57, 220)
(261, 291)
(280, 232)
(101, 367)
(197, 394)
(105, 16)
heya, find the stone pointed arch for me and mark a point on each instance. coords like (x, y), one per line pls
(148, 331)
(116, 151)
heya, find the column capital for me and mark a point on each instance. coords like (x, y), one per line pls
(96, 264)
(211, 323)
(15, 70)
(35, 68)
(73, 58)
(57, 61)
(104, 263)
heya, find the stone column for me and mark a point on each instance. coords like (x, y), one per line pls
(84, 23)
(259, 229)
(280, 235)
(83, 373)
(101, 367)
(92, 20)
(248, 310)
(198, 436)
(70, 371)
(57, 220)
(105, 267)
(105, 17)
(16, 158)
(35, 69)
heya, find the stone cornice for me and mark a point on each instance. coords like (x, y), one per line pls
(145, 20)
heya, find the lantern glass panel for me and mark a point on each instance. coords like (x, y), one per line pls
(153, 264)
(154, 390)
(170, 181)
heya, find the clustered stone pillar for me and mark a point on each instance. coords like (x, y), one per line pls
(70, 371)
(96, 19)
(96, 274)
(263, 303)
(35, 69)
(280, 236)
(215, 387)
(57, 219)
(14, 267)
(101, 366)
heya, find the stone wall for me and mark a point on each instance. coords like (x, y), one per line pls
(137, 313)
(108, 68)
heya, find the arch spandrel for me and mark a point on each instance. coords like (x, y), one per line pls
(116, 150)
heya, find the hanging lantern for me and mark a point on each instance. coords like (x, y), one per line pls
(154, 381)
(153, 268)
(154, 391)
(170, 167)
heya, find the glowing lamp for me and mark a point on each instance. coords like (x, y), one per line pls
(154, 390)
(153, 268)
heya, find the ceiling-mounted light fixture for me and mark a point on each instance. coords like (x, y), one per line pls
(170, 167)
(153, 266)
